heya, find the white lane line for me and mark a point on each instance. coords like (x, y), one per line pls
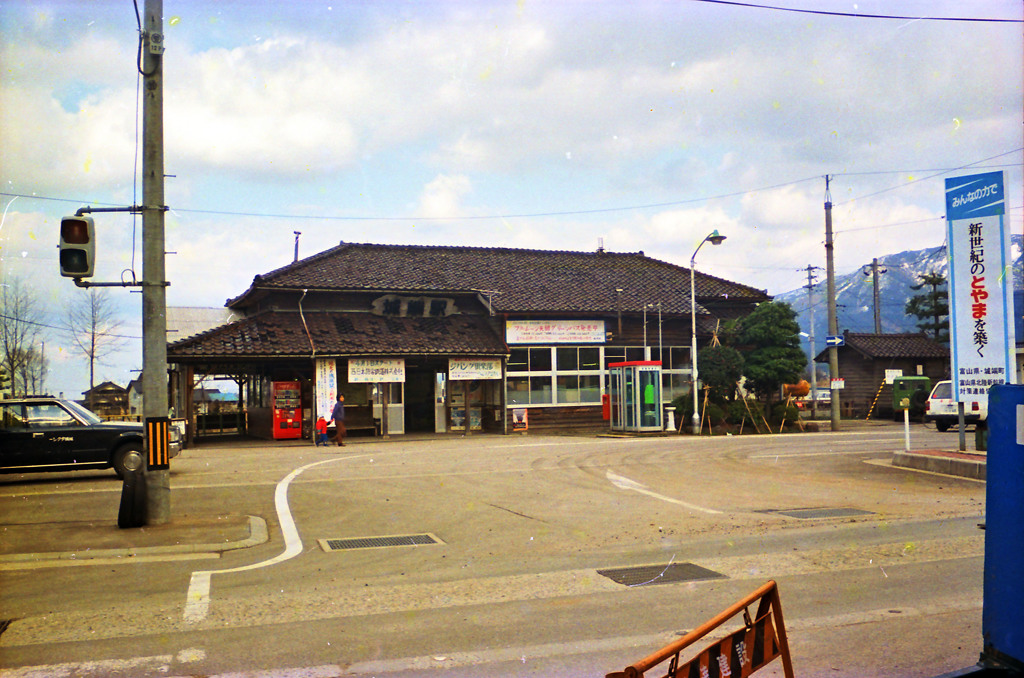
(197, 601)
(626, 484)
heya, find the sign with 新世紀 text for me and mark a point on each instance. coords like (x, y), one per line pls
(980, 285)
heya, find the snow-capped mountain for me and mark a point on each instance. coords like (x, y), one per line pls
(855, 292)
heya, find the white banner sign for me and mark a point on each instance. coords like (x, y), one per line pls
(465, 369)
(376, 370)
(980, 285)
(554, 331)
(326, 387)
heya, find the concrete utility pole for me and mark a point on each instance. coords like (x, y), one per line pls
(874, 281)
(833, 323)
(154, 291)
(812, 370)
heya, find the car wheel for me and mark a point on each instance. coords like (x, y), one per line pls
(128, 459)
(942, 426)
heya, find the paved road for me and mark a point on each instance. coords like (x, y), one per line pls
(886, 582)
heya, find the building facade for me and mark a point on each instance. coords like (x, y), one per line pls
(450, 339)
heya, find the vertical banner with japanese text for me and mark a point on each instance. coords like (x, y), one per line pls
(326, 386)
(980, 286)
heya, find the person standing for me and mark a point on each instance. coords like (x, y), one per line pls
(338, 417)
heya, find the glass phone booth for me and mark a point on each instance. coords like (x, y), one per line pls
(635, 390)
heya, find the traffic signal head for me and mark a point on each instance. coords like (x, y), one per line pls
(77, 247)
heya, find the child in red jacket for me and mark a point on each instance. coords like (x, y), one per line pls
(321, 432)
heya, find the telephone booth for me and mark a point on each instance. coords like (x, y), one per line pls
(635, 389)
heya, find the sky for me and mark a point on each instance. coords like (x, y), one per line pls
(567, 125)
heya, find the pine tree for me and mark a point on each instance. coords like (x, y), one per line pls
(931, 308)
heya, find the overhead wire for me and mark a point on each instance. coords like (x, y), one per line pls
(859, 15)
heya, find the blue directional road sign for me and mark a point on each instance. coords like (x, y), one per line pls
(835, 340)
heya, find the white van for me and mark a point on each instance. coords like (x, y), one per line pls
(941, 408)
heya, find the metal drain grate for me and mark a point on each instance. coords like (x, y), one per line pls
(659, 574)
(378, 542)
(812, 513)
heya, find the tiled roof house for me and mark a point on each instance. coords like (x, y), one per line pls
(865, 358)
(539, 327)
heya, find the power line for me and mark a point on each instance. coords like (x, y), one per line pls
(481, 217)
(937, 173)
(528, 215)
(858, 15)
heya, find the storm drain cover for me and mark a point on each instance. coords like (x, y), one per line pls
(378, 542)
(811, 513)
(659, 574)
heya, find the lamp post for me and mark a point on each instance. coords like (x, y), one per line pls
(715, 238)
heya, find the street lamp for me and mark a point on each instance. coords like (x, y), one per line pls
(715, 238)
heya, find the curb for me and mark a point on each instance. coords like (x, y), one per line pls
(257, 535)
(961, 466)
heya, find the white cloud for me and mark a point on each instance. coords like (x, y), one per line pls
(442, 197)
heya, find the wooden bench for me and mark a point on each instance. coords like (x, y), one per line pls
(359, 418)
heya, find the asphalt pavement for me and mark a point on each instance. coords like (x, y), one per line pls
(56, 543)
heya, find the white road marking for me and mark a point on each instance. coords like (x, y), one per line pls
(197, 601)
(626, 484)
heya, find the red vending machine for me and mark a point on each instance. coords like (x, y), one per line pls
(286, 404)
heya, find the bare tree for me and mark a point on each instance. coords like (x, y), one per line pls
(93, 323)
(20, 329)
(33, 372)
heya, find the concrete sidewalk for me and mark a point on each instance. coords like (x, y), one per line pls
(60, 544)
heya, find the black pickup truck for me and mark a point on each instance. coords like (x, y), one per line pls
(40, 433)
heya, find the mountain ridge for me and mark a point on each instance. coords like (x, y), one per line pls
(855, 293)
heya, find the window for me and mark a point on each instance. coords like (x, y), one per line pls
(675, 358)
(540, 390)
(48, 415)
(578, 389)
(10, 416)
(518, 390)
(578, 376)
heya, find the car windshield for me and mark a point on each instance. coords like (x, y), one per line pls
(82, 413)
(943, 390)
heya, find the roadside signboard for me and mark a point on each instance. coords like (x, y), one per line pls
(980, 285)
(836, 340)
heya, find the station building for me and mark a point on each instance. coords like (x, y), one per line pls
(452, 339)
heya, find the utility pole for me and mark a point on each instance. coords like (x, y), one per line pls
(810, 361)
(833, 323)
(154, 285)
(874, 281)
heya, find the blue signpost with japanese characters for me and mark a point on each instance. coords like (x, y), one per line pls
(980, 286)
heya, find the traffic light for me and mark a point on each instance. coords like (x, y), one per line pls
(77, 247)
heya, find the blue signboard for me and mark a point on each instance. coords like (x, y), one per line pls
(980, 286)
(979, 195)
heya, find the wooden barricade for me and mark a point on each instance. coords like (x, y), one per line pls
(761, 640)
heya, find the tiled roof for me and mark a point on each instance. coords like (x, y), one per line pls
(895, 345)
(188, 321)
(282, 335)
(517, 281)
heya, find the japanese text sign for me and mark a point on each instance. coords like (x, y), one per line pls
(554, 331)
(376, 370)
(980, 285)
